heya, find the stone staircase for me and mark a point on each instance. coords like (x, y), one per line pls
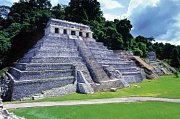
(161, 68)
(65, 65)
(60, 64)
(107, 58)
(51, 63)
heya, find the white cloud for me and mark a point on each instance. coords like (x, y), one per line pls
(173, 33)
(140, 4)
(111, 4)
(111, 17)
(174, 42)
(15, 0)
(157, 18)
(54, 2)
(12, 1)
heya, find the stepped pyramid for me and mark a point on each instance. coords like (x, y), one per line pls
(67, 58)
(160, 67)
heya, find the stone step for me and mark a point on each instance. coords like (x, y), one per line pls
(59, 39)
(53, 59)
(117, 62)
(104, 56)
(110, 60)
(57, 53)
(131, 73)
(45, 43)
(60, 42)
(94, 43)
(116, 66)
(43, 66)
(62, 48)
(102, 52)
(130, 69)
(50, 53)
(133, 78)
(29, 75)
(49, 79)
(53, 49)
(129, 79)
(98, 49)
(96, 46)
(55, 45)
(130, 64)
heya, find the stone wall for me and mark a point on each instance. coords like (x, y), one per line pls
(28, 88)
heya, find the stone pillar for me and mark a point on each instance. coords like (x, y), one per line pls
(68, 32)
(52, 29)
(77, 33)
(61, 30)
(83, 34)
(90, 35)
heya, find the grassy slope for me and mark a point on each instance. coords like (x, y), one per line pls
(166, 86)
(141, 110)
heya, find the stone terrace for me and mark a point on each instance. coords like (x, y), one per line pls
(67, 59)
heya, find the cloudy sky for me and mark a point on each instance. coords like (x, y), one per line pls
(151, 18)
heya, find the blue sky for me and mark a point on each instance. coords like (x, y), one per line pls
(157, 18)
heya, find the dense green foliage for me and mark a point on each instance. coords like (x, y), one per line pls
(175, 59)
(23, 26)
(140, 110)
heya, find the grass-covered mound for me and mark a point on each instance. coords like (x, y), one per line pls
(141, 110)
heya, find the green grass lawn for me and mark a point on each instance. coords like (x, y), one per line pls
(140, 110)
(165, 86)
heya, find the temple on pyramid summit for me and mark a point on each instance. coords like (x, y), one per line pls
(66, 60)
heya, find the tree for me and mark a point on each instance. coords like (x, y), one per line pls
(25, 25)
(114, 40)
(58, 11)
(5, 45)
(124, 27)
(137, 52)
(144, 44)
(175, 61)
(167, 49)
(80, 10)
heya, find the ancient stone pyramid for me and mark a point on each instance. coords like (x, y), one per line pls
(68, 58)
